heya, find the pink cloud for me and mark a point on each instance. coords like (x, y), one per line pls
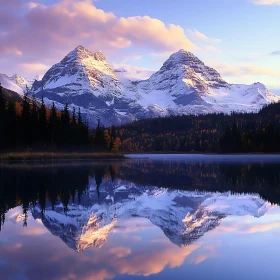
(245, 70)
(33, 68)
(44, 34)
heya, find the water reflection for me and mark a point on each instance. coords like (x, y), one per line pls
(143, 215)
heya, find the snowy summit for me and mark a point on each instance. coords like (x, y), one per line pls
(183, 85)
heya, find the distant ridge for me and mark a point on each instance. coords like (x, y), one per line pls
(183, 85)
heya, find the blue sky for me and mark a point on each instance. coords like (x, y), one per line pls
(236, 37)
(248, 32)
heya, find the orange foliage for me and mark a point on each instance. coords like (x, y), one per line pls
(18, 108)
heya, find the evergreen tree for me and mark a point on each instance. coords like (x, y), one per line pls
(66, 116)
(2, 118)
(25, 120)
(34, 121)
(2, 102)
(74, 119)
(79, 117)
(43, 122)
(99, 135)
(11, 128)
(65, 134)
(53, 125)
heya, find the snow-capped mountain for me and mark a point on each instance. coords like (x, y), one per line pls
(23, 82)
(183, 216)
(9, 84)
(17, 83)
(81, 73)
(186, 85)
(84, 79)
(183, 85)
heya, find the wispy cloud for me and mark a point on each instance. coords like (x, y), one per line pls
(245, 70)
(275, 53)
(266, 2)
(199, 36)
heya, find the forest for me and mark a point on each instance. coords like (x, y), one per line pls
(28, 124)
(211, 133)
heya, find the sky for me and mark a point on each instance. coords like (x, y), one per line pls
(239, 38)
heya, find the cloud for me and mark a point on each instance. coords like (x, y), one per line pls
(261, 227)
(120, 252)
(275, 53)
(46, 33)
(133, 73)
(266, 2)
(199, 36)
(33, 68)
(245, 70)
(141, 258)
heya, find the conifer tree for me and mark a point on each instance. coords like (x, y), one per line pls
(2, 117)
(42, 122)
(74, 119)
(25, 120)
(66, 115)
(34, 121)
(99, 135)
(79, 117)
(2, 102)
(53, 125)
(11, 128)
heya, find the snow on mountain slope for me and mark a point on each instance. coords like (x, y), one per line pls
(183, 85)
(86, 80)
(7, 83)
(16, 83)
(183, 216)
(240, 98)
(81, 72)
(23, 82)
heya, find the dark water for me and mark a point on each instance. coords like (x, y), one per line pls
(158, 217)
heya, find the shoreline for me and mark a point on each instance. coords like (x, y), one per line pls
(57, 156)
(197, 153)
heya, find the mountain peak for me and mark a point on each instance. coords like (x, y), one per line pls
(183, 57)
(99, 56)
(20, 81)
(80, 53)
(15, 76)
(183, 52)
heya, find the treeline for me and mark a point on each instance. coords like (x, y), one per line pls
(219, 133)
(30, 124)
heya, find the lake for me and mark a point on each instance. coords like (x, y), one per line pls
(147, 217)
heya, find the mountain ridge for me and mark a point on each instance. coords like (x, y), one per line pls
(183, 85)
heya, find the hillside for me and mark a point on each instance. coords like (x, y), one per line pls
(235, 133)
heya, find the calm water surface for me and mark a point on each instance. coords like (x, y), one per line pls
(153, 216)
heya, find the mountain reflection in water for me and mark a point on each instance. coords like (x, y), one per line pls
(84, 204)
